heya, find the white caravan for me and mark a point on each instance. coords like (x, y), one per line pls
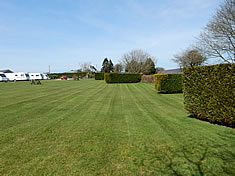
(3, 77)
(35, 76)
(45, 76)
(17, 76)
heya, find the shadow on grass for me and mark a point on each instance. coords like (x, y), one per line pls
(203, 159)
(164, 93)
(213, 123)
(199, 159)
(193, 166)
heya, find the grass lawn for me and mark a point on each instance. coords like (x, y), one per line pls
(89, 127)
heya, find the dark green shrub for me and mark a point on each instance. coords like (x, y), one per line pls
(168, 83)
(99, 76)
(209, 93)
(69, 75)
(122, 77)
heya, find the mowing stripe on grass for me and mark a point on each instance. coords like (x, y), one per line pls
(88, 127)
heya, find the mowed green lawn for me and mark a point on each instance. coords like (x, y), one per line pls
(89, 127)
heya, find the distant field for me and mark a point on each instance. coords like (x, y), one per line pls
(89, 127)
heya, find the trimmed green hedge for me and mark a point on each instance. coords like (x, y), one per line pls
(99, 76)
(122, 77)
(168, 83)
(69, 75)
(209, 93)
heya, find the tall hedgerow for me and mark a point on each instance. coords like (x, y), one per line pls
(99, 76)
(209, 93)
(122, 77)
(168, 83)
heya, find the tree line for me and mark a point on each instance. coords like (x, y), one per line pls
(135, 61)
(217, 40)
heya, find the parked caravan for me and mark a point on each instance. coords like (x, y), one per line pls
(35, 76)
(45, 76)
(3, 77)
(17, 76)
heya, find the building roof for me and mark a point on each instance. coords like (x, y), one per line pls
(6, 71)
(177, 70)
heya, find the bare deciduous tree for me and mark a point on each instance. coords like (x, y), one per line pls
(134, 61)
(218, 38)
(85, 67)
(190, 57)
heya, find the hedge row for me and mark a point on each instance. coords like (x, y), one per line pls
(122, 77)
(209, 93)
(69, 75)
(168, 83)
(99, 76)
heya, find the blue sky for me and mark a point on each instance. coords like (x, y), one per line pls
(65, 33)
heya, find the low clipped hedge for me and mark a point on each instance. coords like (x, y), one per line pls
(69, 75)
(99, 76)
(209, 93)
(122, 77)
(168, 83)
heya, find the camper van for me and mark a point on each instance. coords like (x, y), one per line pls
(35, 76)
(3, 77)
(17, 76)
(45, 76)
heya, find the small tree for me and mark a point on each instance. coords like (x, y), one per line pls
(105, 66)
(111, 68)
(190, 57)
(149, 67)
(118, 68)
